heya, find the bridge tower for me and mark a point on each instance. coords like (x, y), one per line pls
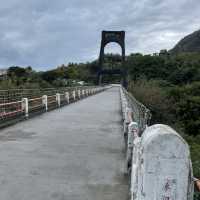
(108, 37)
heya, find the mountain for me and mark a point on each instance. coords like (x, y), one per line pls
(190, 43)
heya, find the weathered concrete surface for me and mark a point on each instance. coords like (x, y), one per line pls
(74, 153)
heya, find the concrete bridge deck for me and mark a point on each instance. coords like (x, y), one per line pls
(73, 153)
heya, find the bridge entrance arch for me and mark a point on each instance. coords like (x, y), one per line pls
(108, 37)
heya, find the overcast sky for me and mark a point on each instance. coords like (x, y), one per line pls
(47, 33)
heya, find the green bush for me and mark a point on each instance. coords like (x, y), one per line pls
(178, 107)
(187, 106)
(194, 143)
(155, 98)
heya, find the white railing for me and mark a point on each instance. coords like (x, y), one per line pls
(10, 109)
(28, 105)
(157, 158)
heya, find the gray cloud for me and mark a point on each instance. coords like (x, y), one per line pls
(47, 33)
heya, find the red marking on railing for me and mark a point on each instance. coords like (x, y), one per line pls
(10, 114)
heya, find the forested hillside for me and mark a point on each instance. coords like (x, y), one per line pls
(190, 43)
(170, 87)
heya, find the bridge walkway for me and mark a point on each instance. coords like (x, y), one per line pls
(73, 153)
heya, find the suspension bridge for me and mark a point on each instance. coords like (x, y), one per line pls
(89, 143)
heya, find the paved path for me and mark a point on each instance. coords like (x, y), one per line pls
(74, 153)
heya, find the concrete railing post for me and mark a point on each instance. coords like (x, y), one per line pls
(124, 106)
(45, 102)
(79, 94)
(83, 93)
(134, 167)
(126, 119)
(163, 170)
(74, 95)
(25, 106)
(132, 134)
(58, 99)
(67, 97)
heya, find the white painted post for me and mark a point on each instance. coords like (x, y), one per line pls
(67, 97)
(164, 169)
(134, 167)
(83, 93)
(45, 101)
(132, 134)
(74, 95)
(124, 106)
(25, 106)
(126, 118)
(58, 99)
(79, 94)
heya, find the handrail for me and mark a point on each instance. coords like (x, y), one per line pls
(21, 103)
(51, 96)
(9, 113)
(35, 99)
(142, 115)
(10, 103)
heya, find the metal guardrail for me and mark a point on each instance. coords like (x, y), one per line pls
(13, 95)
(152, 152)
(140, 113)
(16, 105)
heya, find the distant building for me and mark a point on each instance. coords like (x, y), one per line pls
(81, 82)
(164, 52)
(3, 74)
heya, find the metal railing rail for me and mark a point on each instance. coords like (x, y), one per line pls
(140, 113)
(13, 95)
(16, 105)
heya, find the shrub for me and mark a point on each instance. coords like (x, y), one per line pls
(155, 98)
